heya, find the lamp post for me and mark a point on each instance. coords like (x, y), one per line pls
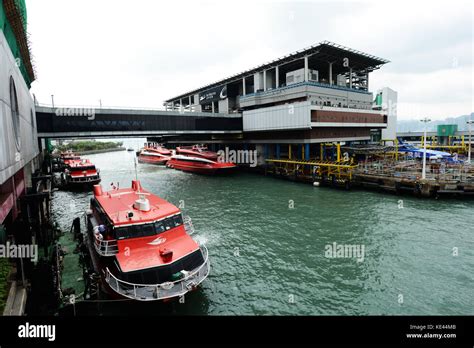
(469, 123)
(423, 173)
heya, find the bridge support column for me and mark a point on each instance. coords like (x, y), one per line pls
(306, 152)
(277, 151)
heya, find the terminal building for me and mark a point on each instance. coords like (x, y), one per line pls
(316, 95)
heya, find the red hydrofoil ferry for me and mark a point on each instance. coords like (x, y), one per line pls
(68, 157)
(80, 173)
(62, 162)
(141, 245)
(154, 155)
(198, 159)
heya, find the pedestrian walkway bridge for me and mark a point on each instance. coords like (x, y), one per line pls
(77, 122)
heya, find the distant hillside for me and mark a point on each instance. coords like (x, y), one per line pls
(417, 126)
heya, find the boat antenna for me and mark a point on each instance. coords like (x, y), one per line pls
(136, 170)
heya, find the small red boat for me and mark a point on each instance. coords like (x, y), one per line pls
(140, 245)
(81, 173)
(198, 159)
(154, 155)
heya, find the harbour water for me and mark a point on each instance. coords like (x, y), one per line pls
(268, 241)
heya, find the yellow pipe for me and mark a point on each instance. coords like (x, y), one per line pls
(338, 152)
(396, 149)
(323, 164)
(289, 151)
(302, 151)
(321, 152)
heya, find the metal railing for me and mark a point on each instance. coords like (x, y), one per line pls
(83, 179)
(105, 247)
(188, 225)
(411, 169)
(299, 84)
(98, 107)
(154, 292)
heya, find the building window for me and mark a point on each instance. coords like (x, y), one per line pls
(15, 113)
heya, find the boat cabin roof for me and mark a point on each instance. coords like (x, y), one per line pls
(117, 204)
(79, 164)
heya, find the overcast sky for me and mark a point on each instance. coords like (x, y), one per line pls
(139, 53)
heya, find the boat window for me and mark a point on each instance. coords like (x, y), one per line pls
(158, 227)
(123, 232)
(197, 160)
(146, 230)
(168, 223)
(177, 220)
(83, 168)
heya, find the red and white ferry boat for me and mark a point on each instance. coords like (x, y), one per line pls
(67, 157)
(80, 173)
(141, 245)
(64, 159)
(154, 155)
(198, 159)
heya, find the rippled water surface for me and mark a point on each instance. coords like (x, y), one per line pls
(268, 258)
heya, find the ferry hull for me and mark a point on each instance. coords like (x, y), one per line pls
(161, 161)
(87, 184)
(202, 168)
(79, 184)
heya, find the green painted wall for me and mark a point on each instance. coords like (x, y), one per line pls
(445, 130)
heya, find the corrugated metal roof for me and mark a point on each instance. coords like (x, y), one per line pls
(325, 50)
